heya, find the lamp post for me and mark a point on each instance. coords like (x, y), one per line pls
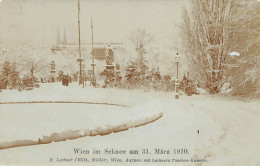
(177, 58)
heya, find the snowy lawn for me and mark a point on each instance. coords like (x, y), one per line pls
(228, 128)
(44, 119)
(74, 92)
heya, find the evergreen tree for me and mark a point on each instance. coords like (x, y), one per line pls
(14, 80)
(7, 68)
(10, 76)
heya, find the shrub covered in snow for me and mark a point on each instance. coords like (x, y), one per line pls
(29, 82)
(188, 85)
(10, 78)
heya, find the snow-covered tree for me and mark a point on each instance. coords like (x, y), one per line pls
(245, 69)
(140, 36)
(33, 63)
(10, 76)
(136, 53)
(14, 80)
(207, 31)
(6, 71)
(214, 29)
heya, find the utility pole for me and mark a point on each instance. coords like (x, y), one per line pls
(80, 59)
(83, 71)
(93, 58)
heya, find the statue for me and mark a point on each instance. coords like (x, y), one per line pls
(52, 66)
(109, 55)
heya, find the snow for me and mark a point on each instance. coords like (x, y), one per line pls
(234, 53)
(228, 128)
(47, 118)
(56, 92)
(56, 118)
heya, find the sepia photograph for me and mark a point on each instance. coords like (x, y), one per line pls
(129, 82)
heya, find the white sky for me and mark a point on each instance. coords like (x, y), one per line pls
(37, 21)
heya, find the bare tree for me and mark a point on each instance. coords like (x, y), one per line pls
(140, 36)
(34, 63)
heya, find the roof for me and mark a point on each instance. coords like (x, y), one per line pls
(99, 53)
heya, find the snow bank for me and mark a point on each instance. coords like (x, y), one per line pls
(33, 122)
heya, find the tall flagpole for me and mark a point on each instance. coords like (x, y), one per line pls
(80, 59)
(93, 58)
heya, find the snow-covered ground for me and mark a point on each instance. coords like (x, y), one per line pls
(228, 128)
(46, 119)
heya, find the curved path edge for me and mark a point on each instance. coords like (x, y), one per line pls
(61, 102)
(74, 134)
